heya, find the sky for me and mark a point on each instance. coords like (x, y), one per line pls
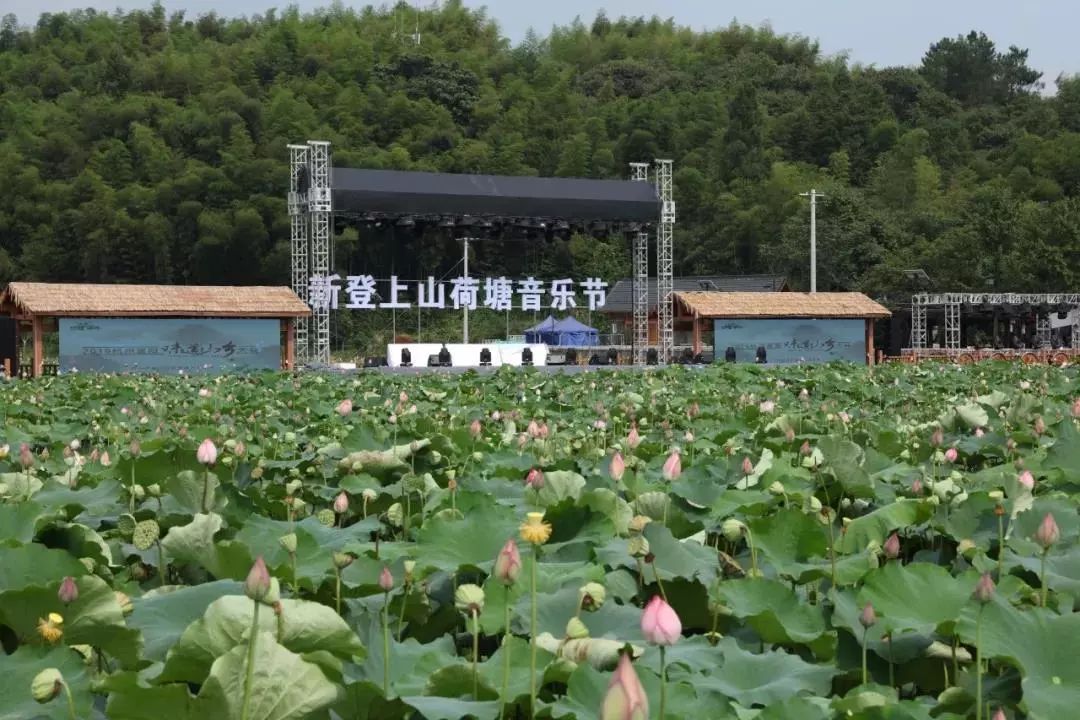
(870, 32)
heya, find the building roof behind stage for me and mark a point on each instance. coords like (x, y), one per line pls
(781, 305)
(404, 193)
(620, 298)
(91, 300)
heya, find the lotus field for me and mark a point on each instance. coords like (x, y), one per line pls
(736, 542)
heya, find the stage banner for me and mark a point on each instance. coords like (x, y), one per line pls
(169, 344)
(790, 341)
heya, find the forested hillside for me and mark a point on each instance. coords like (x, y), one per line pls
(152, 148)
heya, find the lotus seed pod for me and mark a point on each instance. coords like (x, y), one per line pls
(638, 546)
(996, 495)
(933, 499)
(257, 472)
(576, 630)
(294, 472)
(732, 530)
(341, 560)
(298, 505)
(310, 470)
(638, 523)
(146, 534)
(776, 488)
(227, 461)
(138, 492)
(469, 598)
(126, 524)
(47, 684)
(811, 505)
(436, 457)
(591, 596)
(368, 495)
(356, 466)
(288, 542)
(154, 490)
(395, 515)
(326, 517)
(409, 566)
(293, 486)
(290, 437)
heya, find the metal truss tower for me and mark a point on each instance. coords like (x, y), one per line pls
(665, 263)
(952, 326)
(298, 217)
(319, 206)
(918, 324)
(639, 172)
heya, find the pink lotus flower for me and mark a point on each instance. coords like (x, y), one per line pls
(693, 411)
(544, 431)
(660, 623)
(625, 698)
(508, 563)
(805, 448)
(999, 714)
(1076, 408)
(533, 429)
(892, 547)
(916, 487)
(106, 461)
(937, 438)
(747, 466)
(984, 589)
(1040, 425)
(534, 479)
(868, 618)
(618, 466)
(979, 432)
(767, 406)
(600, 425)
(341, 503)
(257, 584)
(844, 417)
(69, 591)
(1026, 479)
(633, 439)
(474, 429)
(1048, 533)
(496, 416)
(344, 407)
(207, 452)
(26, 458)
(386, 580)
(950, 455)
(688, 437)
(204, 392)
(403, 397)
(789, 435)
(672, 467)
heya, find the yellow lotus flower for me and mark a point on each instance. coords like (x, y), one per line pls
(51, 628)
(534, 530)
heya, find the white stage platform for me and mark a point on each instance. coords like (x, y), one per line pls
(467, 355)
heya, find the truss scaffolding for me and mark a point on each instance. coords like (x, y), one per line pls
(665, 264)
(319, 206)
(954, 303)
(298, 218)
(639, 172)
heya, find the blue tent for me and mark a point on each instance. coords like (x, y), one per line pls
(567, 331)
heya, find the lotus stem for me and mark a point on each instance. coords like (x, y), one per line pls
(864, 634)
(131, 492)
(978, 664)
(206, 491)
(532, 632)
(753, 551)
(1001, 546)
(70, 701)
(386, 644)
(832, 550)
(475, 655)
(955, 663)
(892, 665)
(663, 682)
(160, 562)
(292, 564)
(659, 583)
(1042, 578)
(337, 589)
(506, 651)
(401, 618)
(249, 671)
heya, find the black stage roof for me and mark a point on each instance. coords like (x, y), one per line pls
(400, 193)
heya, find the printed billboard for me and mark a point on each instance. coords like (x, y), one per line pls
(790, 341)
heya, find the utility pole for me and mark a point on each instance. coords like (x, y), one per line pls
(813, 195)
(465, 322)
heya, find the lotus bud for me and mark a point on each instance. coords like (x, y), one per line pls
(469, 598)
(638, 523)
(937, 438)
(386, 580)
(207, 452)
(618, 466)
(984, 589)
(916, 487)
(732, 530)
(409, 566)
(633, 439)
(660, 623)
(26, 458)
(625, 698)
(293, 486)
(1026, 479)
(576, 630)
(124, 602)
(533, 429)
(672, 467)
(1040, 426)
(1048, 533)
(868, 618)
(805, 449)
(638, 546)
(999, 714)
(341, 503)
(534, 479)
(474, 429)
(892, 547)
(789, 435)
(950, 455)
(46, 685)
(508, 563)
(747, 466)
(344, 407)
(1076, 408)
(257, 584)
(288, 542)
(591, 596)
(69, 591)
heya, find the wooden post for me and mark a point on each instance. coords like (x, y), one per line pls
(870, 356)
(289, 326)
(39, 345)
(697, 334)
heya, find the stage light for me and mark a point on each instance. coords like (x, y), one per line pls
(729, 355)
(406, 357)
(760, 357)
(612, 356)
(485, 357)
(652, 357)
(527, 356)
